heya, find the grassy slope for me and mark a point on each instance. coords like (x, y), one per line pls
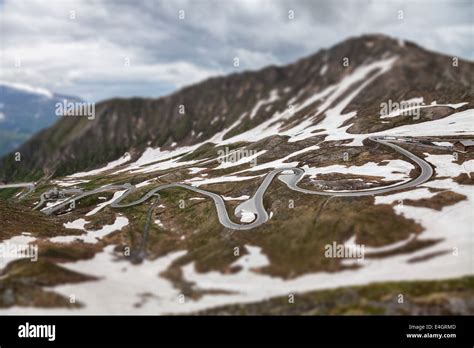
(446, 297)
(293, 239)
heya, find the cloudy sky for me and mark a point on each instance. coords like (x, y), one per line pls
(99, 49)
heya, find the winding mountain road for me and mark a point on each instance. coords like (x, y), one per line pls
(29, 185)
(290, 176)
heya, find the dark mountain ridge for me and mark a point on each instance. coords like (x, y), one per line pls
(131, 125)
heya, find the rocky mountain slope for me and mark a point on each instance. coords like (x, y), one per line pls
(174, 253)
(230, 105)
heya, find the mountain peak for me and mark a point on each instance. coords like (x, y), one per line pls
(354, 77)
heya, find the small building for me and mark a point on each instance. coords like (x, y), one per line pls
(464, 145)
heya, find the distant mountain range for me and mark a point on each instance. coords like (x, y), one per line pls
(25, 110)
(222, 107)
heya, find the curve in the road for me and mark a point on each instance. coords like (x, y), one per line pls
(255, 203)
(29, 185)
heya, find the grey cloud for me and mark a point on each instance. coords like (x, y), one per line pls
(213, 32)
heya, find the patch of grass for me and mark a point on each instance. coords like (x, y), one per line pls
(22, 283)
(442, 297)
(9, 193)
(16, 219)
(294, 239)
(437, 202)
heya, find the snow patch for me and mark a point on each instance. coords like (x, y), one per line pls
(241, 198)
(394, 170)
(104, 204)
(17, 242)
(229, 178)
(91, 236)
(323, 70)
(445, 165)
(68, 183)
(246, 216)
(273, 97)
